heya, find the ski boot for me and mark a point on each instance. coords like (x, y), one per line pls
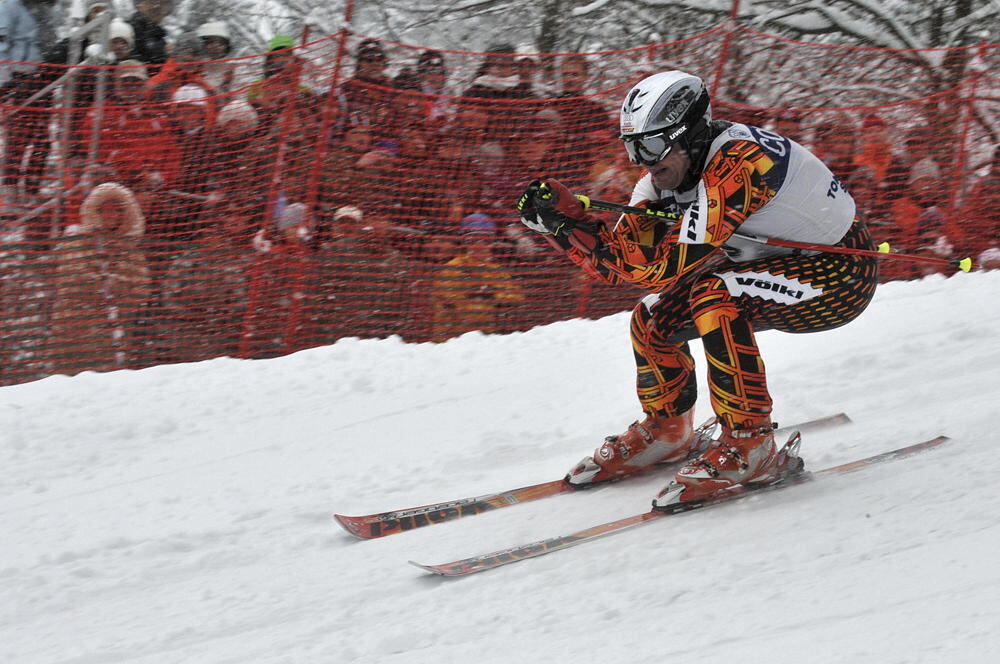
(656, 439)
(739, 457)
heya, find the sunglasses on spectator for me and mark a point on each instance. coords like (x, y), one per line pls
(651, 149)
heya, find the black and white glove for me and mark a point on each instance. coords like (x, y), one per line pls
(550, 208)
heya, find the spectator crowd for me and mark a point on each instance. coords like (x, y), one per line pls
(207, 209)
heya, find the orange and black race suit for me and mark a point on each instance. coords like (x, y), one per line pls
(707, 279)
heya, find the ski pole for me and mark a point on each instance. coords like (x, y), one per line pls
(883, 251)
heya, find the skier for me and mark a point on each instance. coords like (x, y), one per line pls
(723, 181)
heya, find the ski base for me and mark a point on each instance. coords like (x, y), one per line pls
(533, 550)
(381, 524)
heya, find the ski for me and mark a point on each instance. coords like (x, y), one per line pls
(381, 524)
(542, 547)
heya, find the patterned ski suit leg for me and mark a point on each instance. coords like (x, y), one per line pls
(665, 378)
(837, 288)
(737, 384)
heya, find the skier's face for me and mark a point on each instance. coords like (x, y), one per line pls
(669, 172)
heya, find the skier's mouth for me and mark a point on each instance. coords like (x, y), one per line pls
(663, 175)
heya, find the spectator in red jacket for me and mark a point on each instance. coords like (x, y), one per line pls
(139, 145)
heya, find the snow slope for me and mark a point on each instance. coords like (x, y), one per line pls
(182, 513)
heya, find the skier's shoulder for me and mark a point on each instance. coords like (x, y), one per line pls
(729, 137)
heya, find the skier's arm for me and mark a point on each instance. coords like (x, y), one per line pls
(640, 250)
(645, 250)
(633, 252)
(735, 183)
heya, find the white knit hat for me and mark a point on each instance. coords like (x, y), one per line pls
(119, 29)
(131, 69)
(239, 112)
(190, 94)
(348, 212)
(214, 29)
(91, 5)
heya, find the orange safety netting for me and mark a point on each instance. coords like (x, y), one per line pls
(257, 206)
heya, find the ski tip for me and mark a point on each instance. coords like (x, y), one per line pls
(433, 569)
(351, 525)
(838, 418)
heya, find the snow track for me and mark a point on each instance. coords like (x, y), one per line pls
(182, 513)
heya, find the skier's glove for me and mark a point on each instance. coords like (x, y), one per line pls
(550, 208)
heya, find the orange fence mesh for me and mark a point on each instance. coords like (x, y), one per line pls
(257, 206)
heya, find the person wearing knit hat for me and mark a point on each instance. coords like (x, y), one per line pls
(192, 110)
(216, 46)
(282, 81)
(431, 72)
(237, 115)
(130, 82)
(93, 9)
(121, 39)
(280, 54)
(131, 69)
(348, 213)
(371, 61)
(216, 39)
(280, 42)
(190, 94)
(370, 49)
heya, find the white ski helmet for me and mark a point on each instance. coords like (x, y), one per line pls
(670, 104)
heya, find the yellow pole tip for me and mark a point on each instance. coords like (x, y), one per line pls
(884, 248)
(585, 200)
(965, 264)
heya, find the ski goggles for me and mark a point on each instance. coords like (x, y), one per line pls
(650, 149)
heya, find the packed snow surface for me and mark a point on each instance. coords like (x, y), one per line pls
(183, 513)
